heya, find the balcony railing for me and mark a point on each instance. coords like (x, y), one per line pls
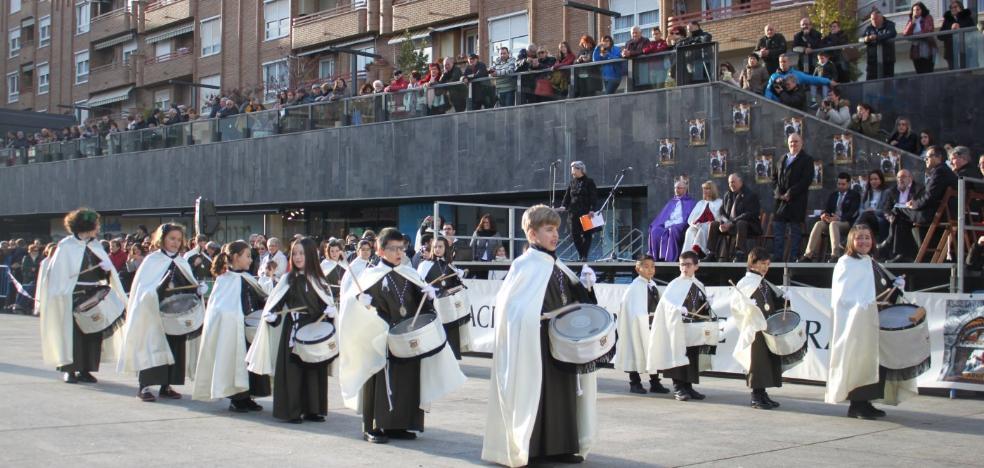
(330, 25)
(731, 11)
(677, 67)
(410, 14)
(110, 24)
(168, 66)
(110, 76)
(164, 12)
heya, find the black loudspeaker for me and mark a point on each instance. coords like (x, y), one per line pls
(206, 221)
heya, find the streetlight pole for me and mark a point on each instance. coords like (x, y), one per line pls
(592, 21)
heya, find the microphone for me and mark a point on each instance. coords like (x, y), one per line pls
(555, 162)
(627, 168)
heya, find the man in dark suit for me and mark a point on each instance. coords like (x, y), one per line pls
(837, 217)
(901, 243)
(740, 213)
(791, 181)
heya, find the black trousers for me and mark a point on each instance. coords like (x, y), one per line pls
(582, 240)
(875, 391)
(923, 65)
(887, 70)
(86, 351)
(634, 377)
(687, 373)
(900, 239)
(165, 375)
(732, 242)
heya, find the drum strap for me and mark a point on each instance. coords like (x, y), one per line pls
(389, 390)
(89, 283)
(579, 391)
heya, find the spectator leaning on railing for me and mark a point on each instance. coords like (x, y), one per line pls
(922, 51)
(955, 18)
(635, 45)
(878, 36)
(786, 69)
(611, 74)
(505, 85)
(836, 37)
(770, 47)
(804, 41)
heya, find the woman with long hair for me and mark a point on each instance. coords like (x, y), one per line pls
(482, 246)
(440, 273)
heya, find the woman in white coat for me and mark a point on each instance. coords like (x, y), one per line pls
(706, 211)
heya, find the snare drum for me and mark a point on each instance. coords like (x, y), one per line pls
(416, 340)
(182, 314)
(99, 311)
(785, 333)
(582, 334)
(454, 308)
(316, 343)
(252, 324)
(702, 333)
(903, 345)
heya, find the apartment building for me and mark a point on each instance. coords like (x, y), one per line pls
(111, 57)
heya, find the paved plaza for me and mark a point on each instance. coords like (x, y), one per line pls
(47, 423)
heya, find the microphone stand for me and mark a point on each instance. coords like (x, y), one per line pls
(613, 257)
(553, 184)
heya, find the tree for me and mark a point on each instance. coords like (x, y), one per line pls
(824, 12)
(409, 57)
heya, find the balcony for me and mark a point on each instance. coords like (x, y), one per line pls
(739, 26)
(168, 67)
(112, 23)
(112, 75)
(410, 14)
(164, 12)
(27, 50)
(26, 99)
(329, 25)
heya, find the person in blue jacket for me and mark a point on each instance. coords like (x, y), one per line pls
(611, 74)
(786, 68)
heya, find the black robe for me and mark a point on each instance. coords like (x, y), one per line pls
(555, 428)
(173, 374)
(335, 280)
(876, 391)
(404, 375)
(86, 348)
(439, 269)
(766, 368)
(253, 299)
(299, 388)
(690, 373)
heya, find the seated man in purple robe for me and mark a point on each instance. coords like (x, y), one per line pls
(667, 230)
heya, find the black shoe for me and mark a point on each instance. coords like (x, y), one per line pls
(145, 396)
(859, 411)
(294, 421)
(636, 387)
(695, 394)
(400, 434)
(86, 377)
(569, 458)
(805, 259)
(875, 411)
(759, 403)
(237, 408)
(375, 437)
(769, 400)
(681, 395)
(252, 405)
(656, 387)
(314, 418)
(168, 392)
(740, 257)
(709, 258)
(69, 377)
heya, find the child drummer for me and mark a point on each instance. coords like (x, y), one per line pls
(635, 315)
(538, 407)
(764, 369)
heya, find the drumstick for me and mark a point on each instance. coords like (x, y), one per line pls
(179, 288)
(421, 305)
(296, 309)
(94, 267)
(886, 294)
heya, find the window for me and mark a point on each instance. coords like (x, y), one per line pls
(510, 31)
(162, 99)
(276, 14)
(275, 76)
(470, 42)
(361, 62)
(44, 31)
(82, 67)
(211, 36)
(642, 13)
(15, 6)
(14, 42)
(206, 94)
(129, 49)
(326, 68)
(162, 50)
(81, 111)
(82, 11)
(44, 78)
(13, 90)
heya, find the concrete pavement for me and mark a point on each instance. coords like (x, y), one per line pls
(44, 423)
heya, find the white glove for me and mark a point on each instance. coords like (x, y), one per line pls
(683, 310)
(106, 265)
(270, 317)
(331, 311)
(365, 299)
(899, 282)
(588, 277)
(202, 289)
(429, 291)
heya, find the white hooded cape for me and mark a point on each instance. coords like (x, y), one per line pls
(144, 341)
(355, 268)
(221, 368)
(261, 358)
(633, 327)
(854, 356)
(464, 331)
(362, 345)
(42, 283)
(515, 383)
(55, 287)
(749, 319)
(667, 335)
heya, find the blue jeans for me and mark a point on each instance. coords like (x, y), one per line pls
(611, 86)
(507, 98)
(779, 241)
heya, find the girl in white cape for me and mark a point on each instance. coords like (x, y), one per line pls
(221, 370)
(334, 265)
(437, 266)
(855, 371)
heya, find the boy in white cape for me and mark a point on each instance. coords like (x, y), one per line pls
(635, 314)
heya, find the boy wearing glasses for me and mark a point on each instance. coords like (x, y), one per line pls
(684, 301)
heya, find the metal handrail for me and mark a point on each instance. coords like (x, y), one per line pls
(962, 228)
(512, 221)
(167, 57)
(158, 4)
(109, 14)
(355, 5)
(732, 11)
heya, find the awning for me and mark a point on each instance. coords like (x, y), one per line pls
(400, 39)
(109, 97)
(27, 22)
(367, 41)
(26, 67)
(114, 41)
(169, 33)
(462, 24)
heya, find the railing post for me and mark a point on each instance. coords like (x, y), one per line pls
(470, 100)
(630, 76)
(310, 117)
(961, 221)
(571, 92)
(512, 232)
(957, 50)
